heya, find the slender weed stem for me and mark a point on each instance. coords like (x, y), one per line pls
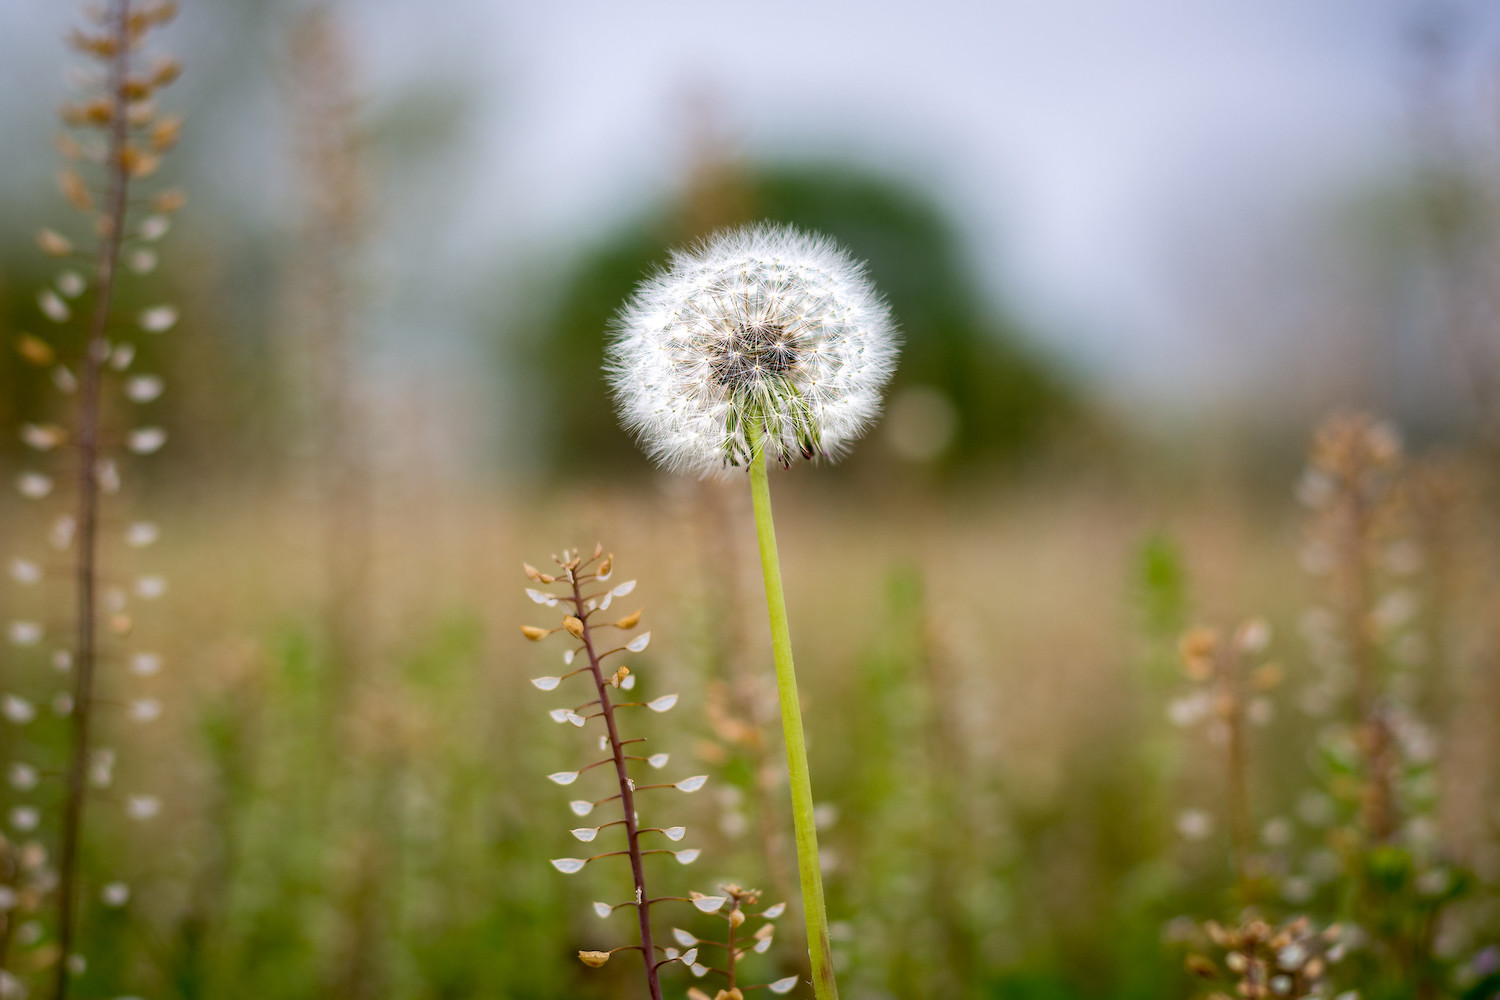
(627, 787)
(814, 911)
(86, 571)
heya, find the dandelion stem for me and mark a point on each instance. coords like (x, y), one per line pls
(815, 914)
(626, 796)
(88, 497)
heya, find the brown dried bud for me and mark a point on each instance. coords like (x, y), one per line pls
(75, 190)
(607, 565)
(535, 574)
(1201, 965)
(53, 243)
(35, 350)
(733, 994)
(536, 634)
(1268, 676)
(138, 88)
(593, 959)
(598, 549)
(139, 163)
(1197, 648)
(103, 46)
(165, 71)
(631, 620)
(736, 917)
(165, 133)
(620, 676)
(121, 624)
(574, 626)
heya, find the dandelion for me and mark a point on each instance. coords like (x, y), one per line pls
(763, 343)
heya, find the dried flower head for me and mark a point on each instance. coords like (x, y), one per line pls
(762, 332)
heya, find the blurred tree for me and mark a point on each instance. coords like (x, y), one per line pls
(968, 391)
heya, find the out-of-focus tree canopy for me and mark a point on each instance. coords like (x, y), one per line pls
(968, 391)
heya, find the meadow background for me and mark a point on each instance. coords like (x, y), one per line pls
(1138, 252)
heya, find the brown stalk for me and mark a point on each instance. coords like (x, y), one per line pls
(627, 790)
(113, 218)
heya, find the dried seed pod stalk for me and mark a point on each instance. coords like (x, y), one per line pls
(116, 137)
(1259, 961)
(1351, 489)
(740, 939)
(1229, 696)
(584, 596)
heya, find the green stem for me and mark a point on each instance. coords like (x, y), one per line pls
(814, 912)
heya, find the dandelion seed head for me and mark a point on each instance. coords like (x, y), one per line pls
(761, 326)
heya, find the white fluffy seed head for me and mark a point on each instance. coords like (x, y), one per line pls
(758, 327)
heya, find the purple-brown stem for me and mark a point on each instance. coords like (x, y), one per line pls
(116, 204)
(627, 790)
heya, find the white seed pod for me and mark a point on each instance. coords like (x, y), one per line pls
(692, 784)
(603, 909)
(26, 633)
(658, 760)
(24, 571)
(146, 440)
(710, 904)
(25, 818)
(757, 327)
(569, 866)
(114, 894)
(782, 985)
(145, 664)
(675, 833)
(34, 485)
(142, 807)
(158, 319)
(141, 534)
(149, 588)
(18, 709)
(639, 643)
(144, 388)
(23, 777)
(53, 307)
(662, 704)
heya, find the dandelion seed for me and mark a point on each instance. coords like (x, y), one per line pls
(33, 485)
(25, 818)
(658, 760)
(603, 909)
(146, 440)
(141, 534)
(25, 633)
(782, 985)
(569, 866)
(586, 834)
(581, 807)
(53, 307)
(639, 643)
(157, 319)
(563, 777)
(142, 807)
(115, 894)
(144, 388)
(546, 683)
(24, 571)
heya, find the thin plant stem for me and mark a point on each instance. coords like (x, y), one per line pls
(88, 498)
(815, 914)
(627, 789)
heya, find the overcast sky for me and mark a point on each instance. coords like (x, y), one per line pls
(1100, 155)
